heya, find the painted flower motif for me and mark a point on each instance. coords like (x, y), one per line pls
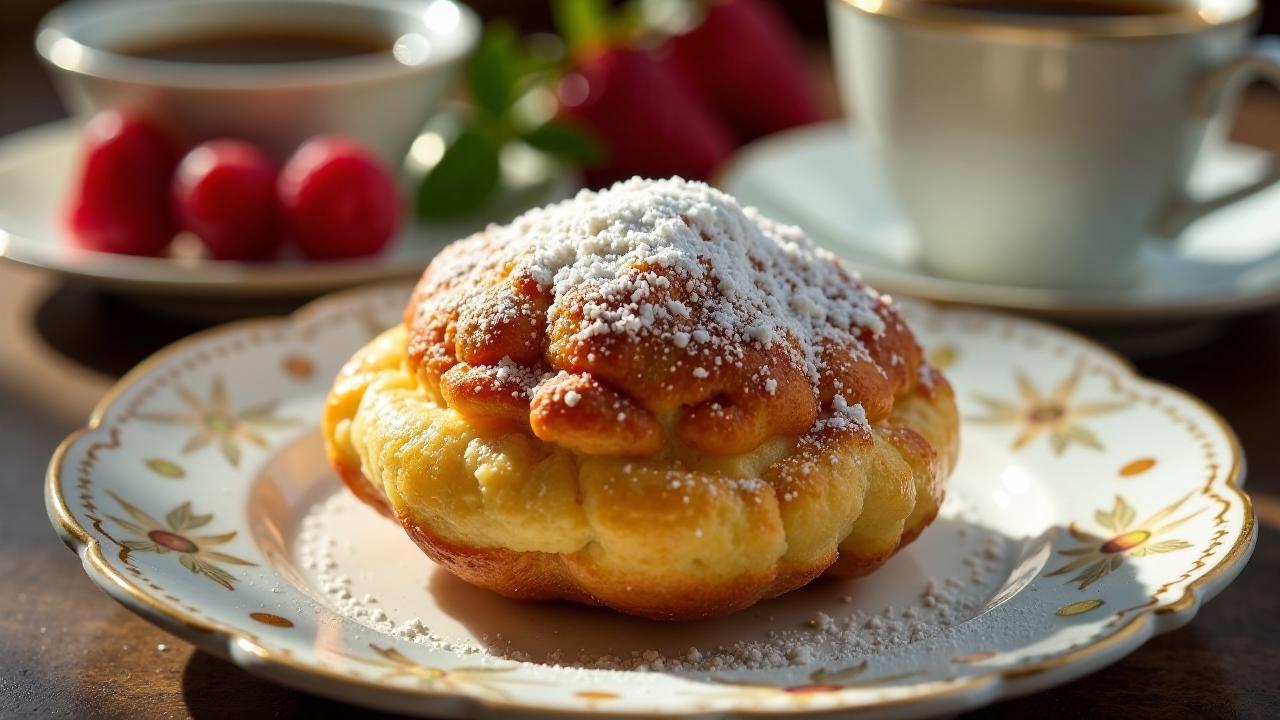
(174, 535)
(943, 356)
(823, 681)
(1055, 414)
(395, 665)
(826, 681)
(214, 420)
(1101, 554)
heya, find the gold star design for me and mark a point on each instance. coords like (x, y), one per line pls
(1056, 415)
(1100, 554)
(214, 419)
(174, 535)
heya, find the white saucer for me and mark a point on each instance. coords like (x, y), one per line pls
(36, 170)
(820, 178)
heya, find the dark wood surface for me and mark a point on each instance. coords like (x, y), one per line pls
(67, 650)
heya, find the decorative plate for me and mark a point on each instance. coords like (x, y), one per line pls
(1091, 509)
(821, 177)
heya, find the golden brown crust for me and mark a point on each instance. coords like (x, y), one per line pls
(599, 422)
(694, 341)
(649, 399)
(721, 406)
(545, 576)
(530, 520)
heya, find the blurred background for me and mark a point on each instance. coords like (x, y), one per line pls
(62, 345)
(22, 77)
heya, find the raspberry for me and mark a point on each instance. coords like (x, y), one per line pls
(337, 201)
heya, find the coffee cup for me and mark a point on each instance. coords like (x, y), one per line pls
(1043, 142)
(274, 72)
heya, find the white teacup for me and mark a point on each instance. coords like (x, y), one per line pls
(380, 98)
(1041, 147)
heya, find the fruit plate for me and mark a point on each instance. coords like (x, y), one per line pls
(1091, 510)
(37, 167)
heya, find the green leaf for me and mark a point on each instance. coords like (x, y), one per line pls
(179, 517)
(567, 142)
(463, 180)
(142, 518)
(494, 72)
(1165, 546)
(216, 574)
(198, 521)
(836, 677)
(1120, 517)
(582, 23)
(539, 54)
(229, 559)
(166, 468)
(131, 527)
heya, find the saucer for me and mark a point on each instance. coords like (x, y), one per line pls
(37, 167)
(820, 178)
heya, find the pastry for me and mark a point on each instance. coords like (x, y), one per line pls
(648, 398)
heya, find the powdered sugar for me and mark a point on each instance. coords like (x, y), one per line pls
(678, 261)
(848, 413)
(827, 624)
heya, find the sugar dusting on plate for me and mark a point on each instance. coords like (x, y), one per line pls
(831, 623)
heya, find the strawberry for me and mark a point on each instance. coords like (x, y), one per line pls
(337, 201)
(121, 201)
(651, 123)
(748, 63)
(225, 193)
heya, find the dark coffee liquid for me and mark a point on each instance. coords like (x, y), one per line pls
(1070, 9)
(246, 47)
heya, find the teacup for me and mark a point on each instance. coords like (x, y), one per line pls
(402, 57)
(1041, 142)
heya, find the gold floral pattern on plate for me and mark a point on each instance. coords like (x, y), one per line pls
(1198, 455)
(824, 680)
(943, 356)
(395, 665)
(272, 619)
(166, 468)
(1100, 555)
(214, 419)
(174, 535)
(1079, 607)
(1133, 468)
(1056, 414)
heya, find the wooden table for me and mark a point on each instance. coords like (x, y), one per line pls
(67, 650)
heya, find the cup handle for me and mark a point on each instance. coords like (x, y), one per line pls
(1207, 98)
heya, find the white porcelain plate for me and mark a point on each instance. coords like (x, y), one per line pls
(821, 178)
(1091, 509)
(37, 167)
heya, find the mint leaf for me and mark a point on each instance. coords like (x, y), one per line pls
(540, 54)
(494, 72)
(463, 180)
(582, 23)
(566, 141)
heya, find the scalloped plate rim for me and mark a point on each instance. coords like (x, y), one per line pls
(946, 696)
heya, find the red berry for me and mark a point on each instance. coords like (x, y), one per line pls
(121, 204)
(748, 63)
(225, 193)
(653, 124)
(337, 201)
